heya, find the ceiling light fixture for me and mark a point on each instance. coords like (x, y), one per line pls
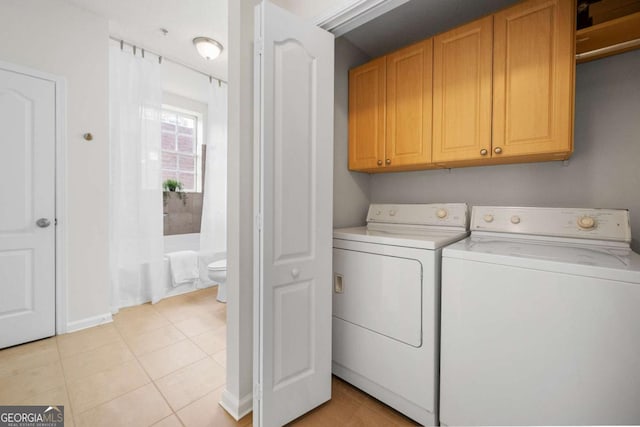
(207, 48)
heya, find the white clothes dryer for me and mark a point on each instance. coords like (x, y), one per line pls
(541, 320)
(386, 303)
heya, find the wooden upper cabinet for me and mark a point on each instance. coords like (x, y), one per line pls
(409, 102)
(367, 112)
(533, 78)
(496, 90)
(462, 92)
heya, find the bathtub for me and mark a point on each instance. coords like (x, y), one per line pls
(187, 242)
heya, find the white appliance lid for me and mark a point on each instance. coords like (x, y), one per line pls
(422, 226)
(599, 225)
(613, 263)
(407, 237)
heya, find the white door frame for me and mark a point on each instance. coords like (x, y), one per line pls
(60, 222)
(238, 394)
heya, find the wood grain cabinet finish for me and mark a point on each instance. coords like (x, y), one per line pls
(367, 115)
(496, 90)
(409, 105)
(390, 111)
(533, 79)
(462, 92)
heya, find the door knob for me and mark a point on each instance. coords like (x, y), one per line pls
(497, 150)
(483, 152)
(295, 273)
(43, 223)
(379, 162)
(388, 161)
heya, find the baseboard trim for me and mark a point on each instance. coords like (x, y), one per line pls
(89, 322)
(237, 408)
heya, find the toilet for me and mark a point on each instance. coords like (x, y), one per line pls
(218, 274)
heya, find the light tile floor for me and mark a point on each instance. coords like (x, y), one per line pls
(161, 365)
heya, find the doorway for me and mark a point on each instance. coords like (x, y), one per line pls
(31, 110)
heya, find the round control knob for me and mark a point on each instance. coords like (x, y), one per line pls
(497, 150)
(441, 213)
(488, 218)
(515, 219)
(586, 222)
(392, 213)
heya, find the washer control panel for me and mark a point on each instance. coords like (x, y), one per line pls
(595, 224)
(445, 214)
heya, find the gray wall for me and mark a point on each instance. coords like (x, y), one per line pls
(350, 189)
(604, 170)
(182, 217)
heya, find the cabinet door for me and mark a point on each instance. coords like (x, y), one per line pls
(533, 78)
(367, 105)
(409, 102)
(462, 92)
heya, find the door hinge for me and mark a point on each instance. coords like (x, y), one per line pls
(259, 222)
(259, 46)
(257, 392)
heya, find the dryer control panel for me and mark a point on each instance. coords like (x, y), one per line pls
(593, 224)
(445, 214)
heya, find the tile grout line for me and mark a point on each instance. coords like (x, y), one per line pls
(151, 381)
(66, 384)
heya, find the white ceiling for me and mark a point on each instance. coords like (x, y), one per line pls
(139, 22)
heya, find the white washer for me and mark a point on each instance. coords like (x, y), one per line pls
(386, 303)
(541, 320)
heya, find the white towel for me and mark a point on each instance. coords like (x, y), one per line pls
(184, 267)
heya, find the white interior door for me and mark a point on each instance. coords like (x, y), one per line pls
(294, 169)
(27, 208)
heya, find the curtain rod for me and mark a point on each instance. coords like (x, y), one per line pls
(164, 58)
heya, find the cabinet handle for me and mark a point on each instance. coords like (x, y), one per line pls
(483, 152)
(497, 150)
(388, 161)
(379, 162)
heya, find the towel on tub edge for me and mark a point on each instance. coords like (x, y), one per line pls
(184, 267)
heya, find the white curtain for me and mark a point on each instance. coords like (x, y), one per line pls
(136, 195)
(213, 230)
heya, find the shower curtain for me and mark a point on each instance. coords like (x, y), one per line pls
(136, 233)
(213, 230)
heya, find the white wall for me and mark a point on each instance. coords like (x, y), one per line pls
(237, 397)
(351, 190)
(54, 37)
(181, 81)
(604, 170)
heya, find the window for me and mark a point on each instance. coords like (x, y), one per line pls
(181, 148)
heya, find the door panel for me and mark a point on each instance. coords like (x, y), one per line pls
(462, 92)
(27, 266)
(559, 349)
(533, 78)
(380, 293)
(367, 111)
(294, 76)
(294, 148)
(409, 101)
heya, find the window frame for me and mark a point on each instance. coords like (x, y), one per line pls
(199, 141)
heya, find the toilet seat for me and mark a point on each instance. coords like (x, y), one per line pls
(220, 265)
